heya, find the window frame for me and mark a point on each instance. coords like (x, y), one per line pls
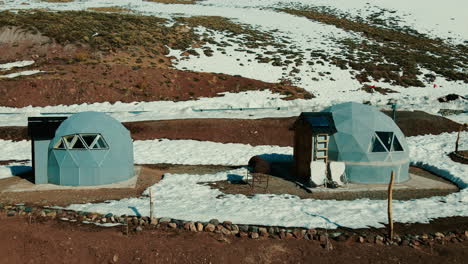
(388, 150)
(69, 142)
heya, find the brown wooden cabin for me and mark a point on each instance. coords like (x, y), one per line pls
(312, 132)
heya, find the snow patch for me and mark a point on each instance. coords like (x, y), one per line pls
(16, 64)
(21, 73)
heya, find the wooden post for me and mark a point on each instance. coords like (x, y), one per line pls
(151, 205)
(462, 127)
(389, 207)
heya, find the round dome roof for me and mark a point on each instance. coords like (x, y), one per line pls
(363, 128)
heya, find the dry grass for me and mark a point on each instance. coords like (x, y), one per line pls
(114, 30)
(111, 9)
(391, 51)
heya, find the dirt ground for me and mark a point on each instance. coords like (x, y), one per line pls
(147, 178)
(56, 242)
(279, 185)
(266, 131)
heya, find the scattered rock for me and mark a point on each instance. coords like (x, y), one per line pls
(165, 220)
(361, 239)
(192, 227)
(439, 235)
(271, 231)
(115, 258)
(244, 228)
(52, 214)
(214, 222)
(263, 231)
(199, 227)
(225, 231)
(298, 233)
(312, 232)
(289, 235)
(253, 229)
(138, 229)
(210, 227)
(243, 234)
(379, 240)
(187, 226)
(282, 234)
(11, 213)
(254, 235)
(172, 225)
(154, 221)
(450, 97)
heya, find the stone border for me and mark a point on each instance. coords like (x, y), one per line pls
(227, 228)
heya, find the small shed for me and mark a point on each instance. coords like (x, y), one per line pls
(41, 130)
(311, 139)
(367, 141)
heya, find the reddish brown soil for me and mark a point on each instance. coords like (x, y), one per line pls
(267, 131)
(81, 83)
(50, 241)
(75, 74)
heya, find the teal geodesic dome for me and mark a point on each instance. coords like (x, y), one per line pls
(369, 143)
(90, 148)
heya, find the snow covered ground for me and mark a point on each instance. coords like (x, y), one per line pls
(185, 196)
(166, 110)
(181, 196)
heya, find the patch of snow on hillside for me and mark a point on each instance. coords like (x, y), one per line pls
(17, 64)
(21, 73)
(167, 110)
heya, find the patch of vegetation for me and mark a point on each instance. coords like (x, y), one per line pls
(103, 31)
(391, 55)
(112, 9)
(246, 36)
